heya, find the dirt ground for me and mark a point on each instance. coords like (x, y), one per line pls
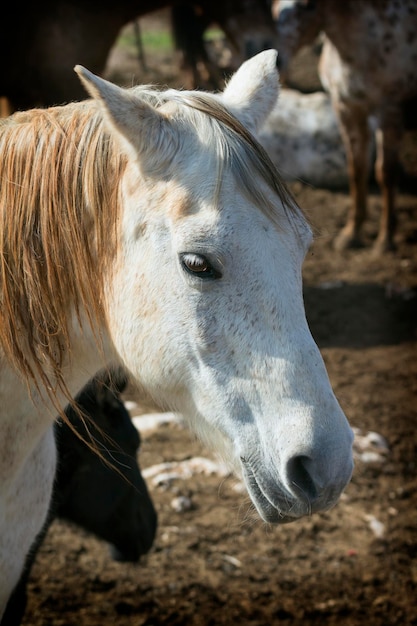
(217, 563)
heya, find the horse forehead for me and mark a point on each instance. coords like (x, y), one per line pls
(177, 199)
(209, 205)
(201, 210)
(189, 193)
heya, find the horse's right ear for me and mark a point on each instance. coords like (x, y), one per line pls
(130, 117)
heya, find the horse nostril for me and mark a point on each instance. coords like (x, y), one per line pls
(299, 477)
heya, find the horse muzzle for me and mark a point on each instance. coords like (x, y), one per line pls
(300, 494)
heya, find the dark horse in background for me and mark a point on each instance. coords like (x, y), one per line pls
(116, 507)
(248, 27)
(41, 44)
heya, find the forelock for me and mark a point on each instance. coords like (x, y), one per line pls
(235, 147)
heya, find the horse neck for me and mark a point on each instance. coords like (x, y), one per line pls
(28, 412)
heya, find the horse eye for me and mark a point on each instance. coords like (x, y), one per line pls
(198, 265)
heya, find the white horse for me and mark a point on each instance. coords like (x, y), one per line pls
(150, 228)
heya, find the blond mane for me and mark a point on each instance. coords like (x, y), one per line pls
(59, 199)
(244, 155)
(59, 175)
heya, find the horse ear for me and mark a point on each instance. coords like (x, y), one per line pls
(133, 119)
(252, 92)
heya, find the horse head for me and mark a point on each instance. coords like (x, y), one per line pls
(204, 302)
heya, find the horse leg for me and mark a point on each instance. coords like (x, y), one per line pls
(355, 135)
(388, 139)
(23, 511)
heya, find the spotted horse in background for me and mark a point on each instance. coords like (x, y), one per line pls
(368, 65)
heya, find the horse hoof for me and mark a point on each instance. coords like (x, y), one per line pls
(347, 241)
(382, 246)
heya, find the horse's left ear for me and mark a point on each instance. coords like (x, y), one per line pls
(253, 90)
